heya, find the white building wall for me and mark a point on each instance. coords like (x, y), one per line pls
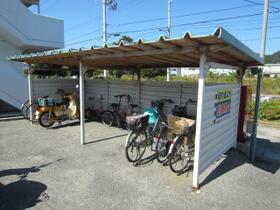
(192, 71)
(25, 30)
(271, 69)
(21, 30)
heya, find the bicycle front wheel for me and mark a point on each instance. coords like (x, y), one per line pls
(135, 146)
(180, 156)
(45, 119)
(162, 146)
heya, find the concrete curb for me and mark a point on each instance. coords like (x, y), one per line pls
(269, 124)
(11, 118)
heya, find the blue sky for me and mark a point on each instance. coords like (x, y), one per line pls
(83, 20)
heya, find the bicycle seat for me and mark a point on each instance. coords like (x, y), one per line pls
(45, 97)
(58, 103)
(115, 105)
(133, 105)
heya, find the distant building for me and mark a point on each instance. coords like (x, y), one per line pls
(192, 71)
(23, 31)
(272, 70)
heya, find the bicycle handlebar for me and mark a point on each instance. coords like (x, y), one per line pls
(161, 102)
(117, 96)
(170, 101)
(191, 101)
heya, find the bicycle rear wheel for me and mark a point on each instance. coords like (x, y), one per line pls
(136, 146)
(30, 112)
(107, 118)
(180, 156)
(24, 107)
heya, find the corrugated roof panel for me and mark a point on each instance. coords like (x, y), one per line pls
(220, 46)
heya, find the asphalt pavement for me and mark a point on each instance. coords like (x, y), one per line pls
(49, 169)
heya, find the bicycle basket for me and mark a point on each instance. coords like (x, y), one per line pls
(135, 122)
(178, 111)
(180, 125)
(46, 101)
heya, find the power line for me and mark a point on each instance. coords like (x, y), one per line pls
(257, 39)
(230, 24)
(242, 29)
(186, 15)
(259, 3)
(178, 16)
(245, 29)
(87, 40)
(196, 23)
(190, 23)
(81, 35)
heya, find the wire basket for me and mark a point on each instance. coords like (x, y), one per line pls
(180, 125)
(137, 122)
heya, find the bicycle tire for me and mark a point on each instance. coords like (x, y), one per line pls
(162, 146)
(107, 118)
(32, 107)
(24, 106)
(135, 145)
(118, 121)
(177, 155)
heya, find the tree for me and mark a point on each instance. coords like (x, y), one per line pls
(125, 39)
(273, 58)
(152, 72)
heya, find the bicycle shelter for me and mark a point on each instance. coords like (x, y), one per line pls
(217, 105)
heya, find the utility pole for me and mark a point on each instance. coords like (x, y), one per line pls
(169, 35)
(38, 8)
(259, 83)
(169, 19)
(104, 31)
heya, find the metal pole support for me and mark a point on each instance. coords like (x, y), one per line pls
(201, 86)
(82, 102)
(259, 83)
(30, 90)
(253, 144)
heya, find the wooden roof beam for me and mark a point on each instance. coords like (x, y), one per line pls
(176, 50)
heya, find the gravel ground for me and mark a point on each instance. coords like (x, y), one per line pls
(49, 169)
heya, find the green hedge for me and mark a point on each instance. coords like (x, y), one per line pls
(269, 110)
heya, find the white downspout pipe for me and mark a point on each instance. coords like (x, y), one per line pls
(201, 86)
(82, 103)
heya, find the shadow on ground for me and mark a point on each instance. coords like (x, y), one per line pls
(23, 193)
(68, 123)
(234, 159)
(105, 139)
